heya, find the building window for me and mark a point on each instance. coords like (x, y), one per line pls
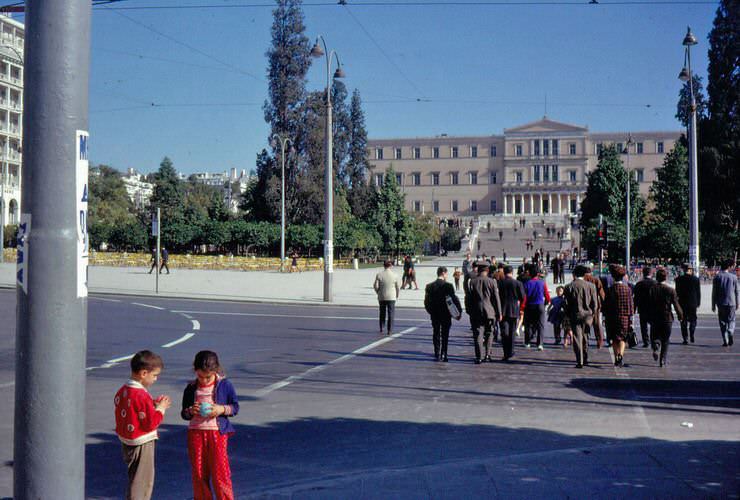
(620, 148)
(417, 153)
(417, 206)
(493, 150)
(493, 206)
(453, 205)
(398, 153)
(435, 179)
(378, 153)
(518, 149)
(536, 175)
(555, 147)
(454, 152)
(378, 180)
(473, 205)
(639, 148)
(416, 179)
(435, 206)
(435, 152)
(640, 175)
(599, 148)
(474, 151)
(474, 177)
(555, 176)
(454, 178)
(572, 175)
(536, 148)
(493, 177)
(546, 173)
(399, 179)
(546, 147)
(518, 176)
(572, 148)
(659, 147)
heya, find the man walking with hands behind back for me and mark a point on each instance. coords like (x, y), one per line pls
(580, 306)
(485, 310)
(511, 292)
(387, 288)
(688, 288)
(725, 298)
(435, 303)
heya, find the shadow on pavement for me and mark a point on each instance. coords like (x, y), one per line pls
(358, 458)
(715, 393)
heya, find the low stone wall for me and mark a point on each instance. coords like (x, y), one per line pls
(236, 263)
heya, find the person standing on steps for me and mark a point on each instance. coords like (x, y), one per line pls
(436, 295)
(387, 287)
(663, 298)
(725, 300)
(688, 288)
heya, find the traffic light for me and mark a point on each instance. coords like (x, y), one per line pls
(602, 233)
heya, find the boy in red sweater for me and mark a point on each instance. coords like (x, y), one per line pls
(137, 419)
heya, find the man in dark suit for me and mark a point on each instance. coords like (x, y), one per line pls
(580, 303)
(641, 294)
(511, 292)
(726, 300)
(688, 288)
(485, 308)
(663, 298)
(435, 303)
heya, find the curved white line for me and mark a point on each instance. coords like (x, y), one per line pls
(179, 341)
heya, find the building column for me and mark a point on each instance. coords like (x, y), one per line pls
(549, 203)
(505, 204)
(578, 201)
(542, 208)
(531, 203)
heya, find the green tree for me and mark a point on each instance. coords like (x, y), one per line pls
(168, 196)
(606, 195)
(110, 209)
(391, 219)
(684, 102)
(360, 194)
(668, 222)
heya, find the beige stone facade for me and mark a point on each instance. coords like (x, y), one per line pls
(538, 168)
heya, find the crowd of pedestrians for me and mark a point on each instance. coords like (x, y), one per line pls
(501, 307)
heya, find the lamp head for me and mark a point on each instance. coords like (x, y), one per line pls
(317, 51)
(689, 39)
(339, 73)
(684, 75)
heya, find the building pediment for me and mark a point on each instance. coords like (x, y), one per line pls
(544, 126)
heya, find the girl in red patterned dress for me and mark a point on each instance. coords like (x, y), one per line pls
(207, 403)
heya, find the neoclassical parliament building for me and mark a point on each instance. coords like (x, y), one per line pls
(537, 168)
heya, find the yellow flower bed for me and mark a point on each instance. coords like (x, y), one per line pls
(238, 263)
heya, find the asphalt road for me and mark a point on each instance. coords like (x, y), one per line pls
(332, 410)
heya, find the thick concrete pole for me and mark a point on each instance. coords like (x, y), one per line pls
(51, 339)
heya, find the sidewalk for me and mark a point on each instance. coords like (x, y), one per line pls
(351, 287)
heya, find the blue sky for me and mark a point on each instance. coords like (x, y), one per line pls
(476, 69)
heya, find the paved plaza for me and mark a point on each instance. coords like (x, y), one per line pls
(330, 409)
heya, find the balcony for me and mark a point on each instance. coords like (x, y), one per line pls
(539, 185)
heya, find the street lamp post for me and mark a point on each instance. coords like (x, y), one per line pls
(629, 202)
(317, 51)
(283, 144)
(687, 76)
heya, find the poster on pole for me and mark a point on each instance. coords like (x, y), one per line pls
(24, 229)
(83, 240)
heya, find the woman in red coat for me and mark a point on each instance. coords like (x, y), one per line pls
(618, 310)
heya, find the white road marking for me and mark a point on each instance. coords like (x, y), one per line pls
(295, 378)
(196, 324)
(118, 360)
(147, 305)
(179, 341)
(639, 410)
(265, 315)
(105, 300)
(186, 315)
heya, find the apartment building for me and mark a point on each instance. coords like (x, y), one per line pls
(11, 116)
(537, 168)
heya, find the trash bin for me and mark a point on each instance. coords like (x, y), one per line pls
(355, 264)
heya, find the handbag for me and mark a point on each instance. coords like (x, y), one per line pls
(631, 338)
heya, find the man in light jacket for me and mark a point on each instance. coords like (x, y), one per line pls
(387, 287)
(725, 299)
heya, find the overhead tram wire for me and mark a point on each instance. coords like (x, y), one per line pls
(187, 45)
(425, 3)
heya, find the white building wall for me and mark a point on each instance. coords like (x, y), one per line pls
(12, 34)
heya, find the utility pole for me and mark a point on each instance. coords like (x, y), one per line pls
(159, 250)
(51, 327)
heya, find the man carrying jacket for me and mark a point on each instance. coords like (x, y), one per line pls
(435, 303)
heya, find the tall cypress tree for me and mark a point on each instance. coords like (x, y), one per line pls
(360, 192)
(684, 102)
